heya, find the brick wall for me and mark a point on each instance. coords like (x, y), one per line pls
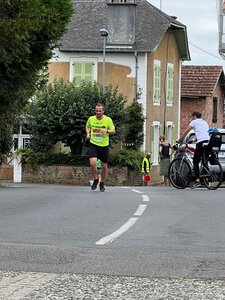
(203, 105)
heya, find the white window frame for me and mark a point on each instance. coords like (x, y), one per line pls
(75, 59)
(156, 83)
(155, 142)
(169, 84)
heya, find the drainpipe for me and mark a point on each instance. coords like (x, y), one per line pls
(136, 77)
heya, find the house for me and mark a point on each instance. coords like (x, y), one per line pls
(203, 89)
(143, 54)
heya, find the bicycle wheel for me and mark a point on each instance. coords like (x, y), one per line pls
(180, 173)
(212, 174)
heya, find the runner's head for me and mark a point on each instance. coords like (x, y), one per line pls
(99, 110)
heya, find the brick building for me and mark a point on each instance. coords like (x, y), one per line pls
(202, 89)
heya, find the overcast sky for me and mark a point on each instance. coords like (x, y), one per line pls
(200, 18)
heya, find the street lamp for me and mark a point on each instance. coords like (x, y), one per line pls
(103, 33)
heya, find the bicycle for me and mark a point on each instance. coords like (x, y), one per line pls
(181, 169)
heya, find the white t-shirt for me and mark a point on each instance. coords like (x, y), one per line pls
(201, 129)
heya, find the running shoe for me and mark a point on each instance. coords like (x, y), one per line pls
(94, 184)
(102, 186)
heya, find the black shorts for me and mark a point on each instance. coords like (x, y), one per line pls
(101, 153)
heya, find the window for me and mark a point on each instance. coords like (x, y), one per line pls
(169, 87)
(169, 132)
(215, 101)
(156, 82)
(121, 24)
(83, 68)
(21, 136)
(82, 71)
(155, 129)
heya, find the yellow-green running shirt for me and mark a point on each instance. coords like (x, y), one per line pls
(97, 138)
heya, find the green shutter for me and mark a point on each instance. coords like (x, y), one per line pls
(156, 83)
(77, 72)
(83, 70)
(170, 84)
(152, 141)
(166, 132)
(88, 71)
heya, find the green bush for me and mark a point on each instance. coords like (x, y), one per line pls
(125, 158)
(30, 157)
(66, 159)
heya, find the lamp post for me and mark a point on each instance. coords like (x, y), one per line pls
(103, 33)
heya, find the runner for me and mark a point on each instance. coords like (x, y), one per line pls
(98, 129)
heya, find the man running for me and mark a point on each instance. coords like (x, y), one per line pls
(98, 129)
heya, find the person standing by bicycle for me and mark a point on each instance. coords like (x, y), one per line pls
(200, 128)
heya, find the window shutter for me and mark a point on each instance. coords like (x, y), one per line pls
(88, 71)
(152, 140)
(156, 82)
(83, 70)
(77, 72)
(169, 97)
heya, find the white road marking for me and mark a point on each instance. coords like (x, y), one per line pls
(140, 210)
(136, 191)
(145, 198)
(111, 237)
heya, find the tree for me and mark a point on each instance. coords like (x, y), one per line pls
(60, 112)
(133, 126)
(29, 31)
(6, 135)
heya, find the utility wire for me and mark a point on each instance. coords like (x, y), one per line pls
(206, 51)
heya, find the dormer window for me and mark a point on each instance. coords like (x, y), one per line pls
(121, 22)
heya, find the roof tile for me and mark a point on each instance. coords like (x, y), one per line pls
(199, 81)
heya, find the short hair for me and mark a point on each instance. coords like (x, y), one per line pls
(100, 104)
(196, 114)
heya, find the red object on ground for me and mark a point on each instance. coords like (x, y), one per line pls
(147, 178)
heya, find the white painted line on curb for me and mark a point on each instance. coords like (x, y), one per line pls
(145, 198)
(111, 237)
(136, 191)
(140, 210)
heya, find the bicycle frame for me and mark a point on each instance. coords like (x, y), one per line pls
(186, 153)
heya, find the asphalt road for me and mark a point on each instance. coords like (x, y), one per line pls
(142, 231)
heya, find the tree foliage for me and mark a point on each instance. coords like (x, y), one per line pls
(133, 126)
(29, 31)
(60, 112)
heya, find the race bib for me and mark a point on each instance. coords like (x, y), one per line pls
(98, 137)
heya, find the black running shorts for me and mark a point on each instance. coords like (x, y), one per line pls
(101, 153)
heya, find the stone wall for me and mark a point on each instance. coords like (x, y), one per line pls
(74, 175)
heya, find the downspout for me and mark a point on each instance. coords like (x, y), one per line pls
(179, 102)
(136, 78)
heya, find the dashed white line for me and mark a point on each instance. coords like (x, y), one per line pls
(140, 210)
(136, 191)
(145, 198)
(111, 237)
